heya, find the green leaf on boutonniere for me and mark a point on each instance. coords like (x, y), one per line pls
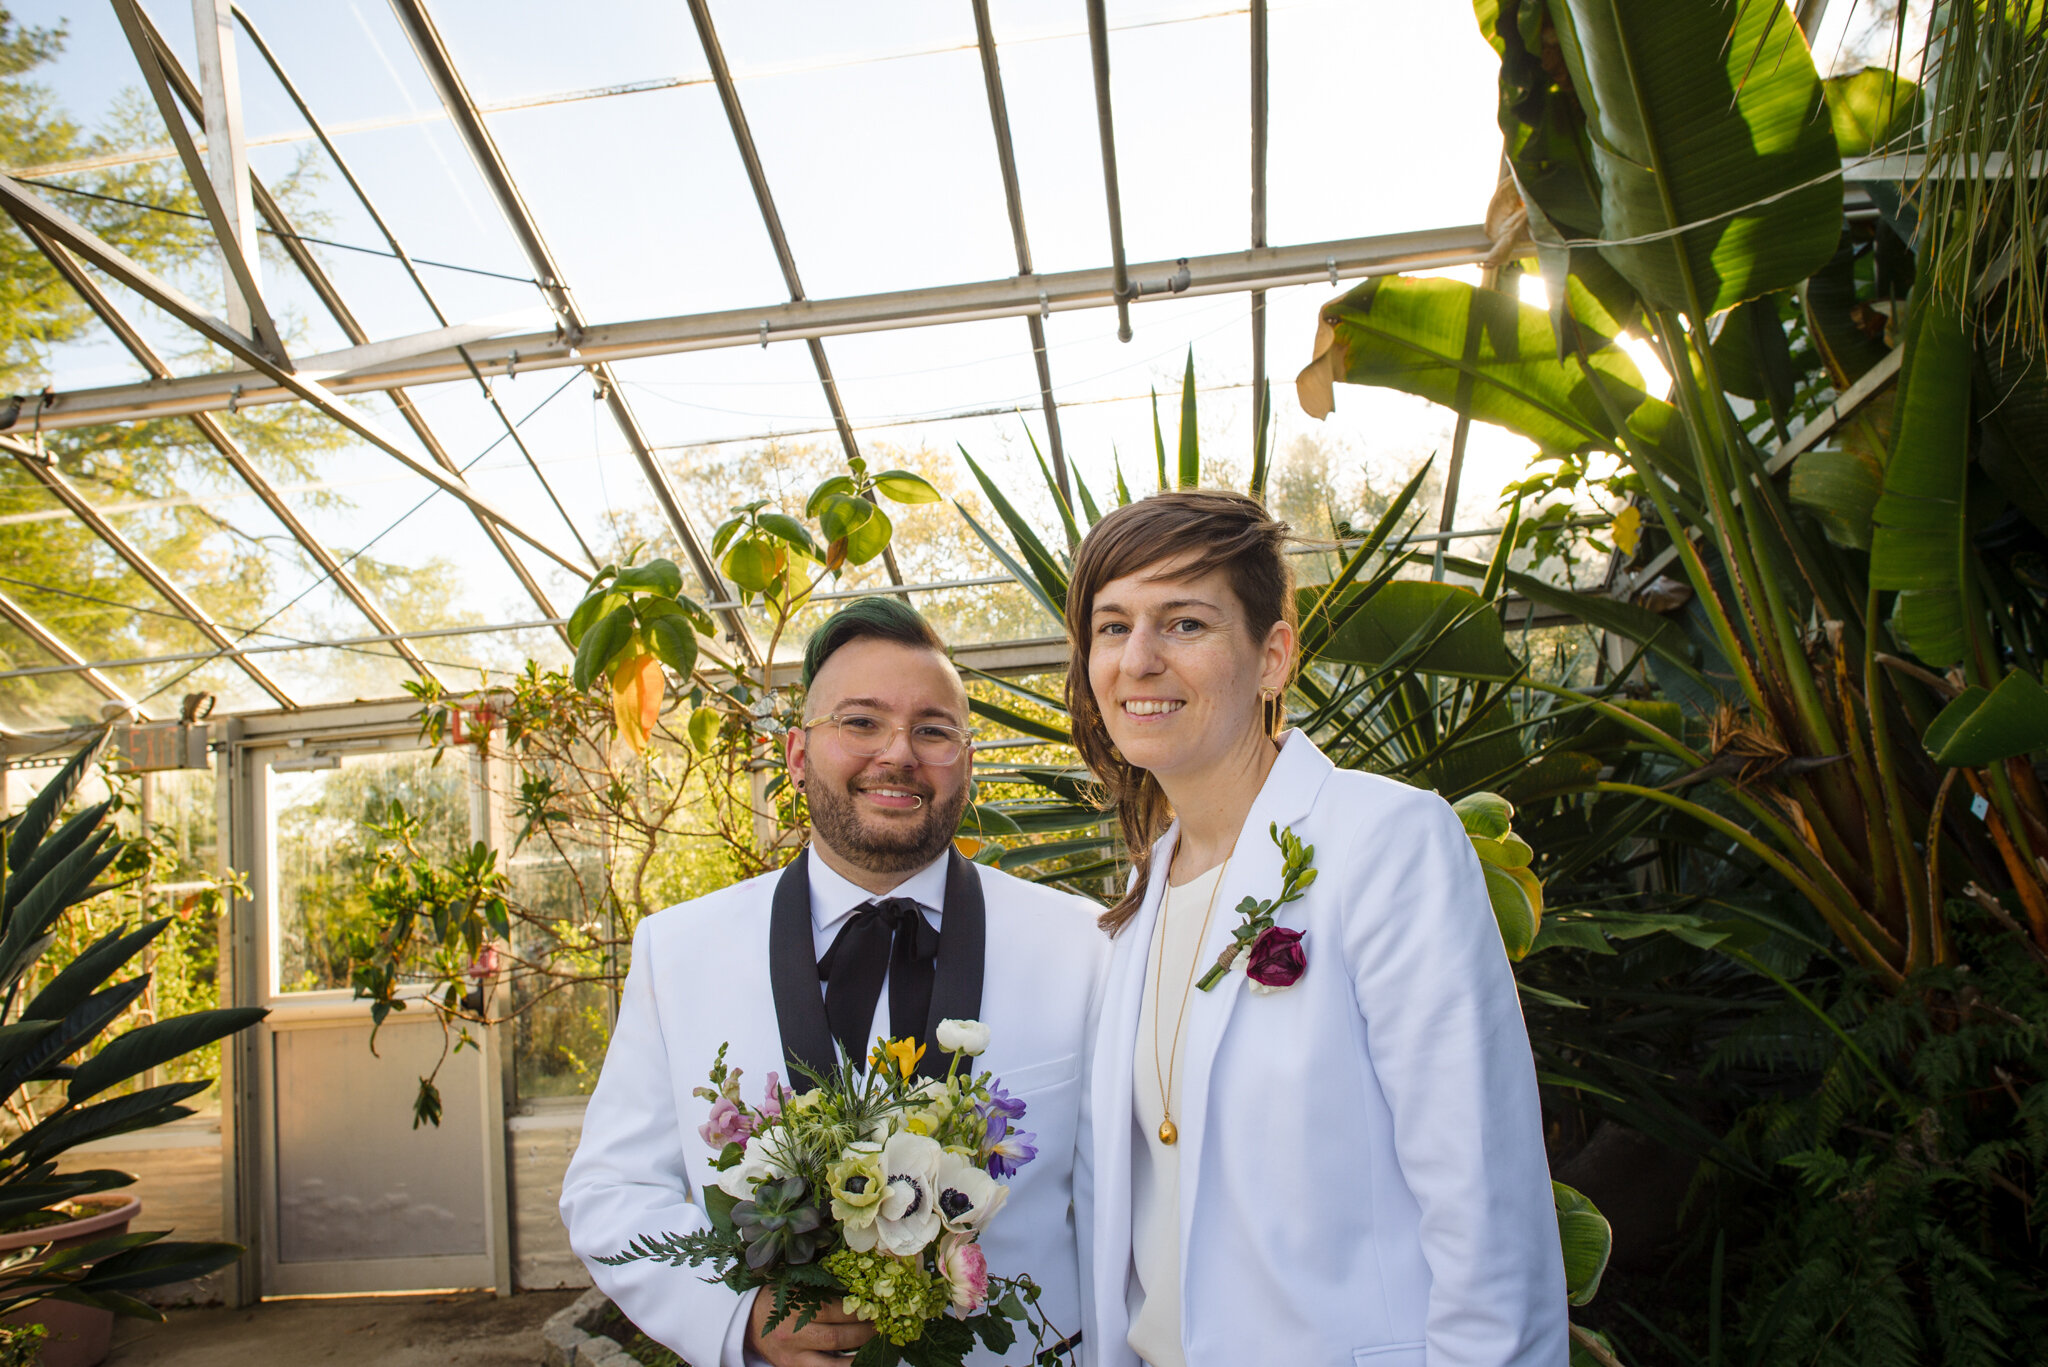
(1297, 872)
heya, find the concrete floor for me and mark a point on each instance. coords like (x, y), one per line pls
(465, 1329)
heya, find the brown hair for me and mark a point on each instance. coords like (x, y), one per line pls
(1220, 529)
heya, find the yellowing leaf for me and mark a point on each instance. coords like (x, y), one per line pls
(636, 699)
(1627, 529)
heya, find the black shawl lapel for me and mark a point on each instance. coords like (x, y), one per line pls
(793, 969)
(793, 973)
(963, 947)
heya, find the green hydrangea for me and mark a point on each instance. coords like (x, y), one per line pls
(896, 1294)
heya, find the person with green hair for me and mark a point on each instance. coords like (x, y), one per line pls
(879, 927)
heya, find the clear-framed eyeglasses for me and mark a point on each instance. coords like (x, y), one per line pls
(864, 735)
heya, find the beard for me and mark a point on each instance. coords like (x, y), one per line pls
(879, 847)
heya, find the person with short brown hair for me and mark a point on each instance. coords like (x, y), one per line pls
(1333, 1155)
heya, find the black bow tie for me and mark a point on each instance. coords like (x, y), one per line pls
(891, 939)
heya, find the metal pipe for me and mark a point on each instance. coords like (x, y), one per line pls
(74, 663)
(264, 334)
(61, 227)
(46, 473)
(217, 436)
(1260, 67)
(483, 150)
(1013, 197)
(1098, 48)
(1012, 297)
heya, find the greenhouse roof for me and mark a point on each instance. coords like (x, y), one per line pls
(541, 284)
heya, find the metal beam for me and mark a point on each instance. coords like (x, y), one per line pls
(61, 227)
(217, 436)
(227, 158)
(1098, 49)
(242, 276)
(1013, 196)
(47, 474)
(1809, 14)
(74, 663)
(750, 156)
(1013, 297)
(1260, 67)
(483, 149)
(344, 317)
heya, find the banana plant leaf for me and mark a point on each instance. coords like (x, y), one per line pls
(1717, 166)
(1435, 628)
(1872, 111)
(1413, 335)
(1920, 544)
(1983, 726)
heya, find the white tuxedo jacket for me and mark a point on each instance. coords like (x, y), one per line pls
(700, 977)
(1362, 1174)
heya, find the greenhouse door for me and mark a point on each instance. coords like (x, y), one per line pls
(352, 1197)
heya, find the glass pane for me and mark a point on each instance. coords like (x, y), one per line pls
(323, 853)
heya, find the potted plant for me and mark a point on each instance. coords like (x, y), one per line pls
(67, 1260)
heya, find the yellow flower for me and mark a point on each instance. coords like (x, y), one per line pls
(906, 1053)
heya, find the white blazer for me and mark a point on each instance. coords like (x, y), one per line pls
(700, 977)
(1362, 1173)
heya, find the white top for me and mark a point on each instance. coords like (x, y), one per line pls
(1152, 1295)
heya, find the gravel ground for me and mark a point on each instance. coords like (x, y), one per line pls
(468, 1329)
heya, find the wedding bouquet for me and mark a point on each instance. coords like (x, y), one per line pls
(871, 1189)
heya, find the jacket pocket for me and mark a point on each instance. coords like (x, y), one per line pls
(1037, 1077)
(1389, 1355)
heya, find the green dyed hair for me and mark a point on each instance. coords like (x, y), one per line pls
(887, 619)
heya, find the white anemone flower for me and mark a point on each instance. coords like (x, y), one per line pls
(909, 1218)
(963, 1037)
(738, 1181)
(968, 1198)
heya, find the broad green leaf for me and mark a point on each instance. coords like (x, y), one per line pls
(1410, 622)
(1983, 727)
(656, 576)
(1485, 815)
(1508, 852)
(1706, 116)
(2012, 427)
(1561, 771)
(727, 530)
(704, 724)
(788, 529)
(1838, 323)
(1517, 907)
(672, 642)
(841, 513)
(869, 539)
(589, 611)
(1840, 488)
(838, 484)
(1412, 335)
(905, 487)
(1046, 578)
(1872, 111)
(601, 645)
(980, 819)
(1921, 540)
(1588, 1242)
(754, 562)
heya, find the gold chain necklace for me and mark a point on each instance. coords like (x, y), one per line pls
(1169, 1133)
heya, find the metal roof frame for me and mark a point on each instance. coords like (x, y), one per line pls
(480, 351)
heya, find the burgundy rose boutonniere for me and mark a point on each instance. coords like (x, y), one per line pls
(1271, 956)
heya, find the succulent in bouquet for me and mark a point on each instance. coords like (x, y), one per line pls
(870, 1190)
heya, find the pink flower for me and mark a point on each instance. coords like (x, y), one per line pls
(771, 1106)
(726, 1125)
(485, 964)
(1276, 959)
(965, 1268)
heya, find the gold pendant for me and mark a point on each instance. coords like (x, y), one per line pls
(1168, 1133)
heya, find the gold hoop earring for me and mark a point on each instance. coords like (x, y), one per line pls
(1266, 696)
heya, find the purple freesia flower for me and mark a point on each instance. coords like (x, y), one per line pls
(1002, 1103)
(1011, 1152)
(726, 1125)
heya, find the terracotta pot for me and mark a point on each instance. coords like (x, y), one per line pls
(79, 1334)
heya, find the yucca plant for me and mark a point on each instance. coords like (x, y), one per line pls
(50, 872)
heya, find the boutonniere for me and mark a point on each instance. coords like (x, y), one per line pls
(1270, 956)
